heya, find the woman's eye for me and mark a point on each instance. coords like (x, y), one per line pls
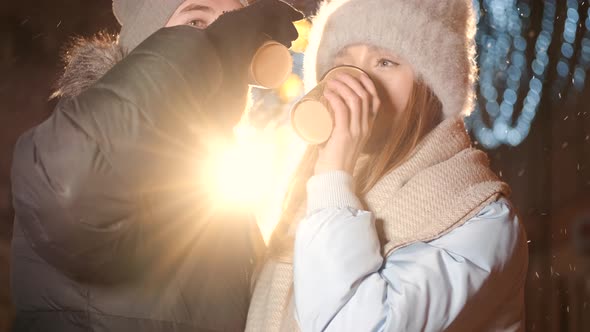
(197, 24)
(386, 63)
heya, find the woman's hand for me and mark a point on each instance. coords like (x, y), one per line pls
(355, 104)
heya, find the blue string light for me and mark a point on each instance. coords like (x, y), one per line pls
(564, 64)
(503, 67)
(579, 76)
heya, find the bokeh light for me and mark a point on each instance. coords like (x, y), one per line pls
(291, 89)
(303, 28)
(503, 29)
(501, 41)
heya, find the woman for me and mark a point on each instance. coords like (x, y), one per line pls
(396, 223)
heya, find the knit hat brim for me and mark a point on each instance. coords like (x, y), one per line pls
(139, 19)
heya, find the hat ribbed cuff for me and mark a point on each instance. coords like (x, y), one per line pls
(142, 19)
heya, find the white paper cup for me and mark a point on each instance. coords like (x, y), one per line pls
(271, 65)
(311, 117)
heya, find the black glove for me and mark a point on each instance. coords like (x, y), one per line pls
(238, 34)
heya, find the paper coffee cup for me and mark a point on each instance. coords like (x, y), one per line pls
(311, 117)
(271, 65)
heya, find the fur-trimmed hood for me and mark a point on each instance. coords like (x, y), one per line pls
(86, 60)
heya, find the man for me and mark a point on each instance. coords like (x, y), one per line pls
(114, 230)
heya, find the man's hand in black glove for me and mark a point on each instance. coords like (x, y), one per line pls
(238, 34)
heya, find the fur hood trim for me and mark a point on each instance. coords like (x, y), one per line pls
(86, 61)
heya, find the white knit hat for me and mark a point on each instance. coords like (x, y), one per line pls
(139, 19)
(437, 37)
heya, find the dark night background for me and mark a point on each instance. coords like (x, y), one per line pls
(549, 173)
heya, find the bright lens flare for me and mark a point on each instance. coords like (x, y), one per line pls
(253, 173)
(242, 173)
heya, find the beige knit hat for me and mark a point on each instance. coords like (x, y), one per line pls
(435, 36)
(139, 19)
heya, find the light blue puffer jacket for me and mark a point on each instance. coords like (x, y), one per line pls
(471, 279)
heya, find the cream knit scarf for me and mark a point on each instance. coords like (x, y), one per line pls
(442, 185)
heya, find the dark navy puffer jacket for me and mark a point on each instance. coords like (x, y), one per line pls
(114, 229)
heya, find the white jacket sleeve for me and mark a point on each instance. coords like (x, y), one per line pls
(459, 281)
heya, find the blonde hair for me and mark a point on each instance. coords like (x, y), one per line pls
(422, 114)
